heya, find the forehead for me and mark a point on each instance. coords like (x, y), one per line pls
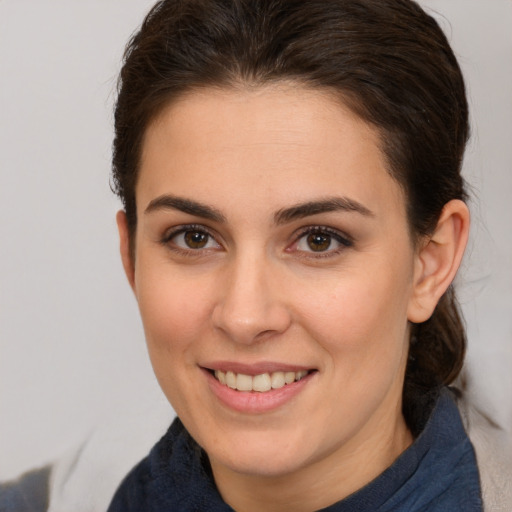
(278, 143)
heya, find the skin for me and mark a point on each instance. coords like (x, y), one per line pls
(255, 290)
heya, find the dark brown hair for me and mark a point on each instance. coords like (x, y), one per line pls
(387, 60)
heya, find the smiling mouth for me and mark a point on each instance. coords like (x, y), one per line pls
(260, 383)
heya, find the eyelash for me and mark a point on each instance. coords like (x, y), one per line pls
(344, 240)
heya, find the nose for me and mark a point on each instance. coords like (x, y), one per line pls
(251, 305)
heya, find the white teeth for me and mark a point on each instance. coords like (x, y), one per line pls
(231, 380)
(289, 377)
(243, 382)
(221, 376)
(277, 380)
(261, 383)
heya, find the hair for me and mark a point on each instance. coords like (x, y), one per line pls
(388, 61)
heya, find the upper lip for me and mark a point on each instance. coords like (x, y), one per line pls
(254, 368)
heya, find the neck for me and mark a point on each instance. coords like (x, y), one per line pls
(323, 482)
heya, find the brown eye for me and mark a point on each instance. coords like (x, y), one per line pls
(191, 238)
(322, 241)
(196, 239)
(319, 242)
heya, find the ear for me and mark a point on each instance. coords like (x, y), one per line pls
(124, 248)
(438, 260)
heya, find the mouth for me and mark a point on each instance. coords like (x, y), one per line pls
(259, 388)
(261, 383)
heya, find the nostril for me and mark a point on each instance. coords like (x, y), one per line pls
(265, 334)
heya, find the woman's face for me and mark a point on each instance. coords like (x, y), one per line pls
(273, 253)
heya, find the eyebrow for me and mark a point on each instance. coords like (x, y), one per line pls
(299, 211)
(330, 204)
(167, 202)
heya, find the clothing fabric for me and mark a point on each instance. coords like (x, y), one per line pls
(86, 477)
(27, 494)
(437, 473)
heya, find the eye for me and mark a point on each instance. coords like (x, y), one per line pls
(188, 238)
(316, 242)
(321, 240)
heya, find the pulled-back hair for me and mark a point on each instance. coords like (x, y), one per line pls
(387, 60)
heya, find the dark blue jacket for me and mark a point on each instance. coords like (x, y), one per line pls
(437, 473)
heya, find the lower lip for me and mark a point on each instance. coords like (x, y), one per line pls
(255, 402)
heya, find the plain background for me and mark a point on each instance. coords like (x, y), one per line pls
(72, 351)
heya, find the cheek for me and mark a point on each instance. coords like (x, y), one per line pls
(175, 310)
(360, 318)
(175, 313)
(361, 326)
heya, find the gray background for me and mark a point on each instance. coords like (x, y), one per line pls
(72, 352)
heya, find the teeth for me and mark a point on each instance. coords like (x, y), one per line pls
(289, 377)
(261, 383)
(221, 376)
(243, 382)
(231, 380)
(277, 380)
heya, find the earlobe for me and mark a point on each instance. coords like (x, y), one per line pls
(438, 260)
(124, 247)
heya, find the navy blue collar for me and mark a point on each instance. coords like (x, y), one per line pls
(437, 473)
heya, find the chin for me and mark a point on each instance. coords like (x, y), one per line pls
(264, 465)
(272, 456)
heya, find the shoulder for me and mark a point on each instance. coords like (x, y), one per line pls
(28, 493)
(493, 449)
(131, 494)
(445, 475)
(174, 476)
(86, 477)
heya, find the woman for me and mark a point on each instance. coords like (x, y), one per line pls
(293, 219)
(317, 273)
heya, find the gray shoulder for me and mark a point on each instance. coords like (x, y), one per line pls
(28, 493)
(493, 449)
